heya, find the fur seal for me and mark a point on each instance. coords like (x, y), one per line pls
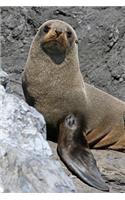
(53, 84)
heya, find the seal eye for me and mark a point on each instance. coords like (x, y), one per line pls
(46, 29)
(69, 34)
(76, 41)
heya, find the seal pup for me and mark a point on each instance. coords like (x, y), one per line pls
(53, 84)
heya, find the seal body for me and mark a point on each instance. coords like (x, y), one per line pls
(47, 85)
(53, 84)
(106, 120)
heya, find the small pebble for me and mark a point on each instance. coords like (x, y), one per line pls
(121, 80)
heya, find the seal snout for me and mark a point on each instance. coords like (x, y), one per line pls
(56, 36)
(58, 32)
(54, 43)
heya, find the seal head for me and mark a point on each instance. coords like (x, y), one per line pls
(56, 39)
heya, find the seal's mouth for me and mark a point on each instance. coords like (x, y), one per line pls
(55, 50)
(53, 47)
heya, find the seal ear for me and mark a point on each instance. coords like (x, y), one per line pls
(75, 153)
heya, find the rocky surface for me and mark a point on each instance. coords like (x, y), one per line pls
(4, 78)
(101, 33)
(26, 163)
(111, 165)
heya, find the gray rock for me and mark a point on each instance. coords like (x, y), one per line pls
(4, 78)
(121, 80)
(111, 164)
(26, 163)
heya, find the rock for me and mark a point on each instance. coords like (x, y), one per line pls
(123, 76)
(121, 80)
(26, 163)
(111, 164)
(4, 78)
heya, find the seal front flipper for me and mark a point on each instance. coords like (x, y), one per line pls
(75, 153)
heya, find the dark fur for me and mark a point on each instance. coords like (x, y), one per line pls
(29, 99)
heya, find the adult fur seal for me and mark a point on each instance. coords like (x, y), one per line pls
(53, 84)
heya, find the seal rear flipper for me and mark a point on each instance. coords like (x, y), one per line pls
(75, 153)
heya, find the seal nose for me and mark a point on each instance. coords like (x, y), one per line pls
(58, 32)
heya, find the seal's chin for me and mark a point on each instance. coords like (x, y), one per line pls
(55, 51)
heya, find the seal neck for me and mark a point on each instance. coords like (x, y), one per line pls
(36, 54)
